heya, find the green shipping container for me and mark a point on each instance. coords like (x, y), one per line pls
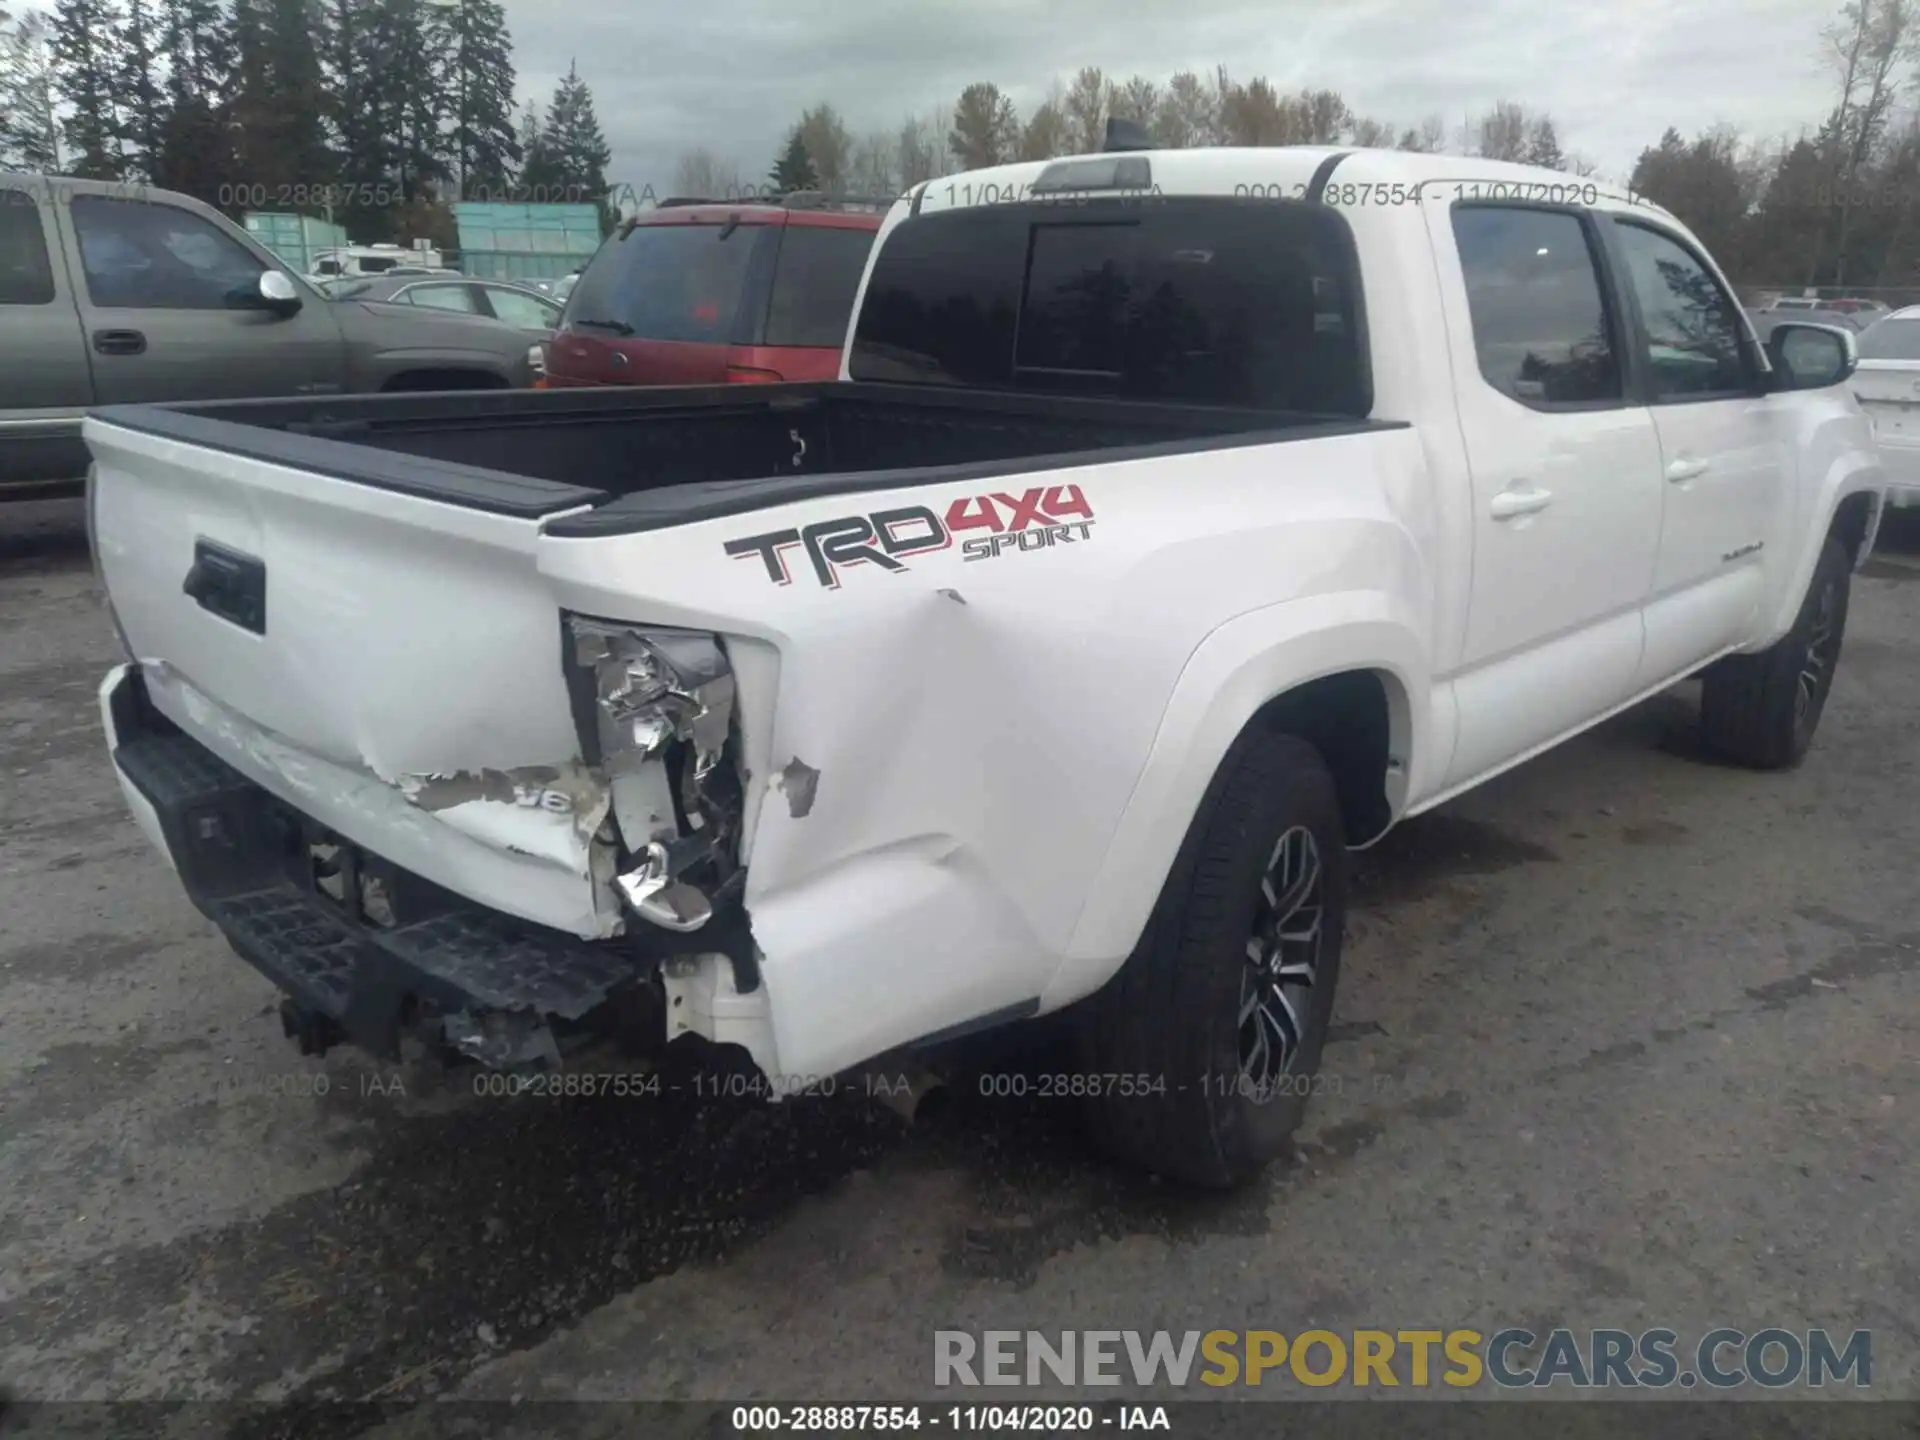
(296, 239)
(525, 242)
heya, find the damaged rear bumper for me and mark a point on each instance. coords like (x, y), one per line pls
(363, 949)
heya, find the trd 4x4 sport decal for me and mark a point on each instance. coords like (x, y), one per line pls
(1034, 520)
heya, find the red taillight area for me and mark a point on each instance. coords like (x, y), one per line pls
(748, 375)
(707, 311)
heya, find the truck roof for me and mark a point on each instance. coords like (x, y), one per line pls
(1217, 170)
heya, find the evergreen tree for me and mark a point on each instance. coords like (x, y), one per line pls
(86, 60)
(196, 147)
(137, 94)
(278, 102)
(1543, 144)
(794, 169)
(478, 81)
(368, 153)
(539, 166)
(577, 149)
(407, 95)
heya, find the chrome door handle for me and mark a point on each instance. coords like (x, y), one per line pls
(1510, 503)
(1681, 471)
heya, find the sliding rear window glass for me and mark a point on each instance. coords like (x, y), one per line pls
(1202, 301)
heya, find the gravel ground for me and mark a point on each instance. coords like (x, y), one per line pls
(1625, 1039)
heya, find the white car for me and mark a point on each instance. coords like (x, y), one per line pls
(1888, 386)
(1181, 520)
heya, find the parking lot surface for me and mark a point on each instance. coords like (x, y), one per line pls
(1625, 1039)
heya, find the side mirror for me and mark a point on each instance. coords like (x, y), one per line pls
(1811, 357)
(278, 293)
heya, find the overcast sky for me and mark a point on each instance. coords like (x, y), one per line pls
(732, 75)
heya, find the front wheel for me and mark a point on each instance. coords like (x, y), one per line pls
(1220, 1013)
(1761, 710)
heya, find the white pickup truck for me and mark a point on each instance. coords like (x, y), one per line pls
(1182, 520)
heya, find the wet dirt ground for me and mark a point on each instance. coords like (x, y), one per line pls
(1624, 1039)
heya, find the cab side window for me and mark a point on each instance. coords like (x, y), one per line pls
(442, 297)
(26, 270)
(146, 255)
(1540, 324)
(1694, 334)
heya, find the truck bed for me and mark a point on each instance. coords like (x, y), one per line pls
(635, 459)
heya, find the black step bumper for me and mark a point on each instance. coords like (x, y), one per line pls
(484, 984)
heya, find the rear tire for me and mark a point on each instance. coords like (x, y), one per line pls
(1761, 710)
(1175, 1018)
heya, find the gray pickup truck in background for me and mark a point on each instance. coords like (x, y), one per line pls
(113, 293)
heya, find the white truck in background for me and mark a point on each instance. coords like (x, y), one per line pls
(1182, 520)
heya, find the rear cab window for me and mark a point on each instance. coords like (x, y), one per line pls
(1190, 299)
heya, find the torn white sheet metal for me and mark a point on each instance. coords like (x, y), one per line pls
(521, 859)
(653, 686)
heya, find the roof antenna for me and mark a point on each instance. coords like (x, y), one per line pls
(1124, 134)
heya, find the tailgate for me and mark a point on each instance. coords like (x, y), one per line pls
(1889, 392)
(377, 660)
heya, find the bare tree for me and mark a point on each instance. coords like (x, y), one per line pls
(29, 107)
(1371, 134)
(701, 172)
(1045, 136)
(1189, 113)
(1870, 42)
(916, 154)
(870, 167)
(1429, 137)
(1252, 114)
(1088, 101)
(1320, 117)
(1501, 133)
(1138, 100)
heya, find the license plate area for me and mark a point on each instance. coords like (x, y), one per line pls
(365, 890)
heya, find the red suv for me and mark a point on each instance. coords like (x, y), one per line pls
(702, 292)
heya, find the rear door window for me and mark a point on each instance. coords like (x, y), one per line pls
(670, 282)
(26, 271)
(1209, 301)
(814, 281)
